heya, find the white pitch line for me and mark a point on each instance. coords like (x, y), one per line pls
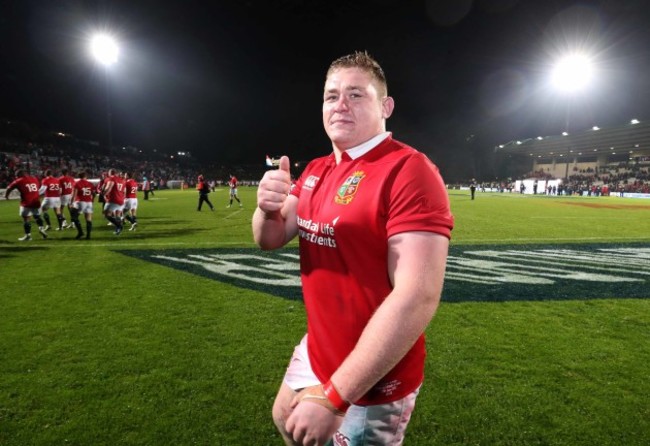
(500, 241)
(233, 213)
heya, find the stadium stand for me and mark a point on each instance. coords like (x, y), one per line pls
(23, 145)
(597, 161)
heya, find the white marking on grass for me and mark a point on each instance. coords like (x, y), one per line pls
(232, 214)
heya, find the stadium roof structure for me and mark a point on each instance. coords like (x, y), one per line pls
(632, 138)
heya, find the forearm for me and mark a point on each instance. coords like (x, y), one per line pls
(388, 336)
(268, 229)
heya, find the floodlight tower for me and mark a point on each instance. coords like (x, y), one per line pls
(571, 75)
(105, 51)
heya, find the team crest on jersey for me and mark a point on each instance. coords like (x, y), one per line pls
(349, 188)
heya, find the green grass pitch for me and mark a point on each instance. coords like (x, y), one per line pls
(102, 348)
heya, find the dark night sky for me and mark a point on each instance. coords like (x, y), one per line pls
(233, 80)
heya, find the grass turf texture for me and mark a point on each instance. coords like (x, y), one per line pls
(101, 348)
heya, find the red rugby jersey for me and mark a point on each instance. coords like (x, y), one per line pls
(28, 187)
(131, 188)
(85, 190)
(52, 187)
(67, 183)
(116, 193)
(346, 214)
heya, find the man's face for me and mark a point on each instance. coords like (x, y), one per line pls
(353, 112)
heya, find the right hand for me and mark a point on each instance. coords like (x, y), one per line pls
(274, 187)
(315, 423)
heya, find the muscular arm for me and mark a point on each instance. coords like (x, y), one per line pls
(272, 230)
(416, 265)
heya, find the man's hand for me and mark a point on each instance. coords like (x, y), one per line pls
(274, 188)
(314, 420)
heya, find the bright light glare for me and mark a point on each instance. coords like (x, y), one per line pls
(104, 49)
(572, 73)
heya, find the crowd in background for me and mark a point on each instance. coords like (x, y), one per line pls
(25, 146)
(21, 146)
(614, 179)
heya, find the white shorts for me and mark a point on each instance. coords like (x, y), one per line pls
(84, 207)
(130, 204)
(66, 200)
(51, 203)
(113, 207)
(26, 212)
(383, 424)
(233, 192)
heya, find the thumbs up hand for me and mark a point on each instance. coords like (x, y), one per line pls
(274, 187)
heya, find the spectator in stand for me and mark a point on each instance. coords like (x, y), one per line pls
(67, 183)
(51, 188)
(131, 200)
(83, 193)
(114, 194)
(30, 202)
(204, 189)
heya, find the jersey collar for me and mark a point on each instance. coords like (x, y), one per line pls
(363, 148)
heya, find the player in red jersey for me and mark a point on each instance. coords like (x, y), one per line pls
(51, 189)
(66, 182)
(373, 222)
(131, 200)
(114, 192)
(30, 202)
(232, 184)
(83, 193)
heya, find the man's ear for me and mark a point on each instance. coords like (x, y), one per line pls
(387, 106)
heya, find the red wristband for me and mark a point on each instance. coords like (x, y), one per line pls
(335, 398)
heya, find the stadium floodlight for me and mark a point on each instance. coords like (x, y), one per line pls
(634, 121)
(595, 128)
(104, 49)
(572, 73)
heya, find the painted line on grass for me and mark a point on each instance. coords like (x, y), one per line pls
(549, 240)
(579, 218)
(233, 213)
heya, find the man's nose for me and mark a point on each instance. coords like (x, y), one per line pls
(341, 103)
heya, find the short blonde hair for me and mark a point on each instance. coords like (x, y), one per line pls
(365, 62)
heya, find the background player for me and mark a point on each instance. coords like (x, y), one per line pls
(232, 184)
(67, 183)
(51, 189)
(131, 200)
(30, 202)
(83, 193)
